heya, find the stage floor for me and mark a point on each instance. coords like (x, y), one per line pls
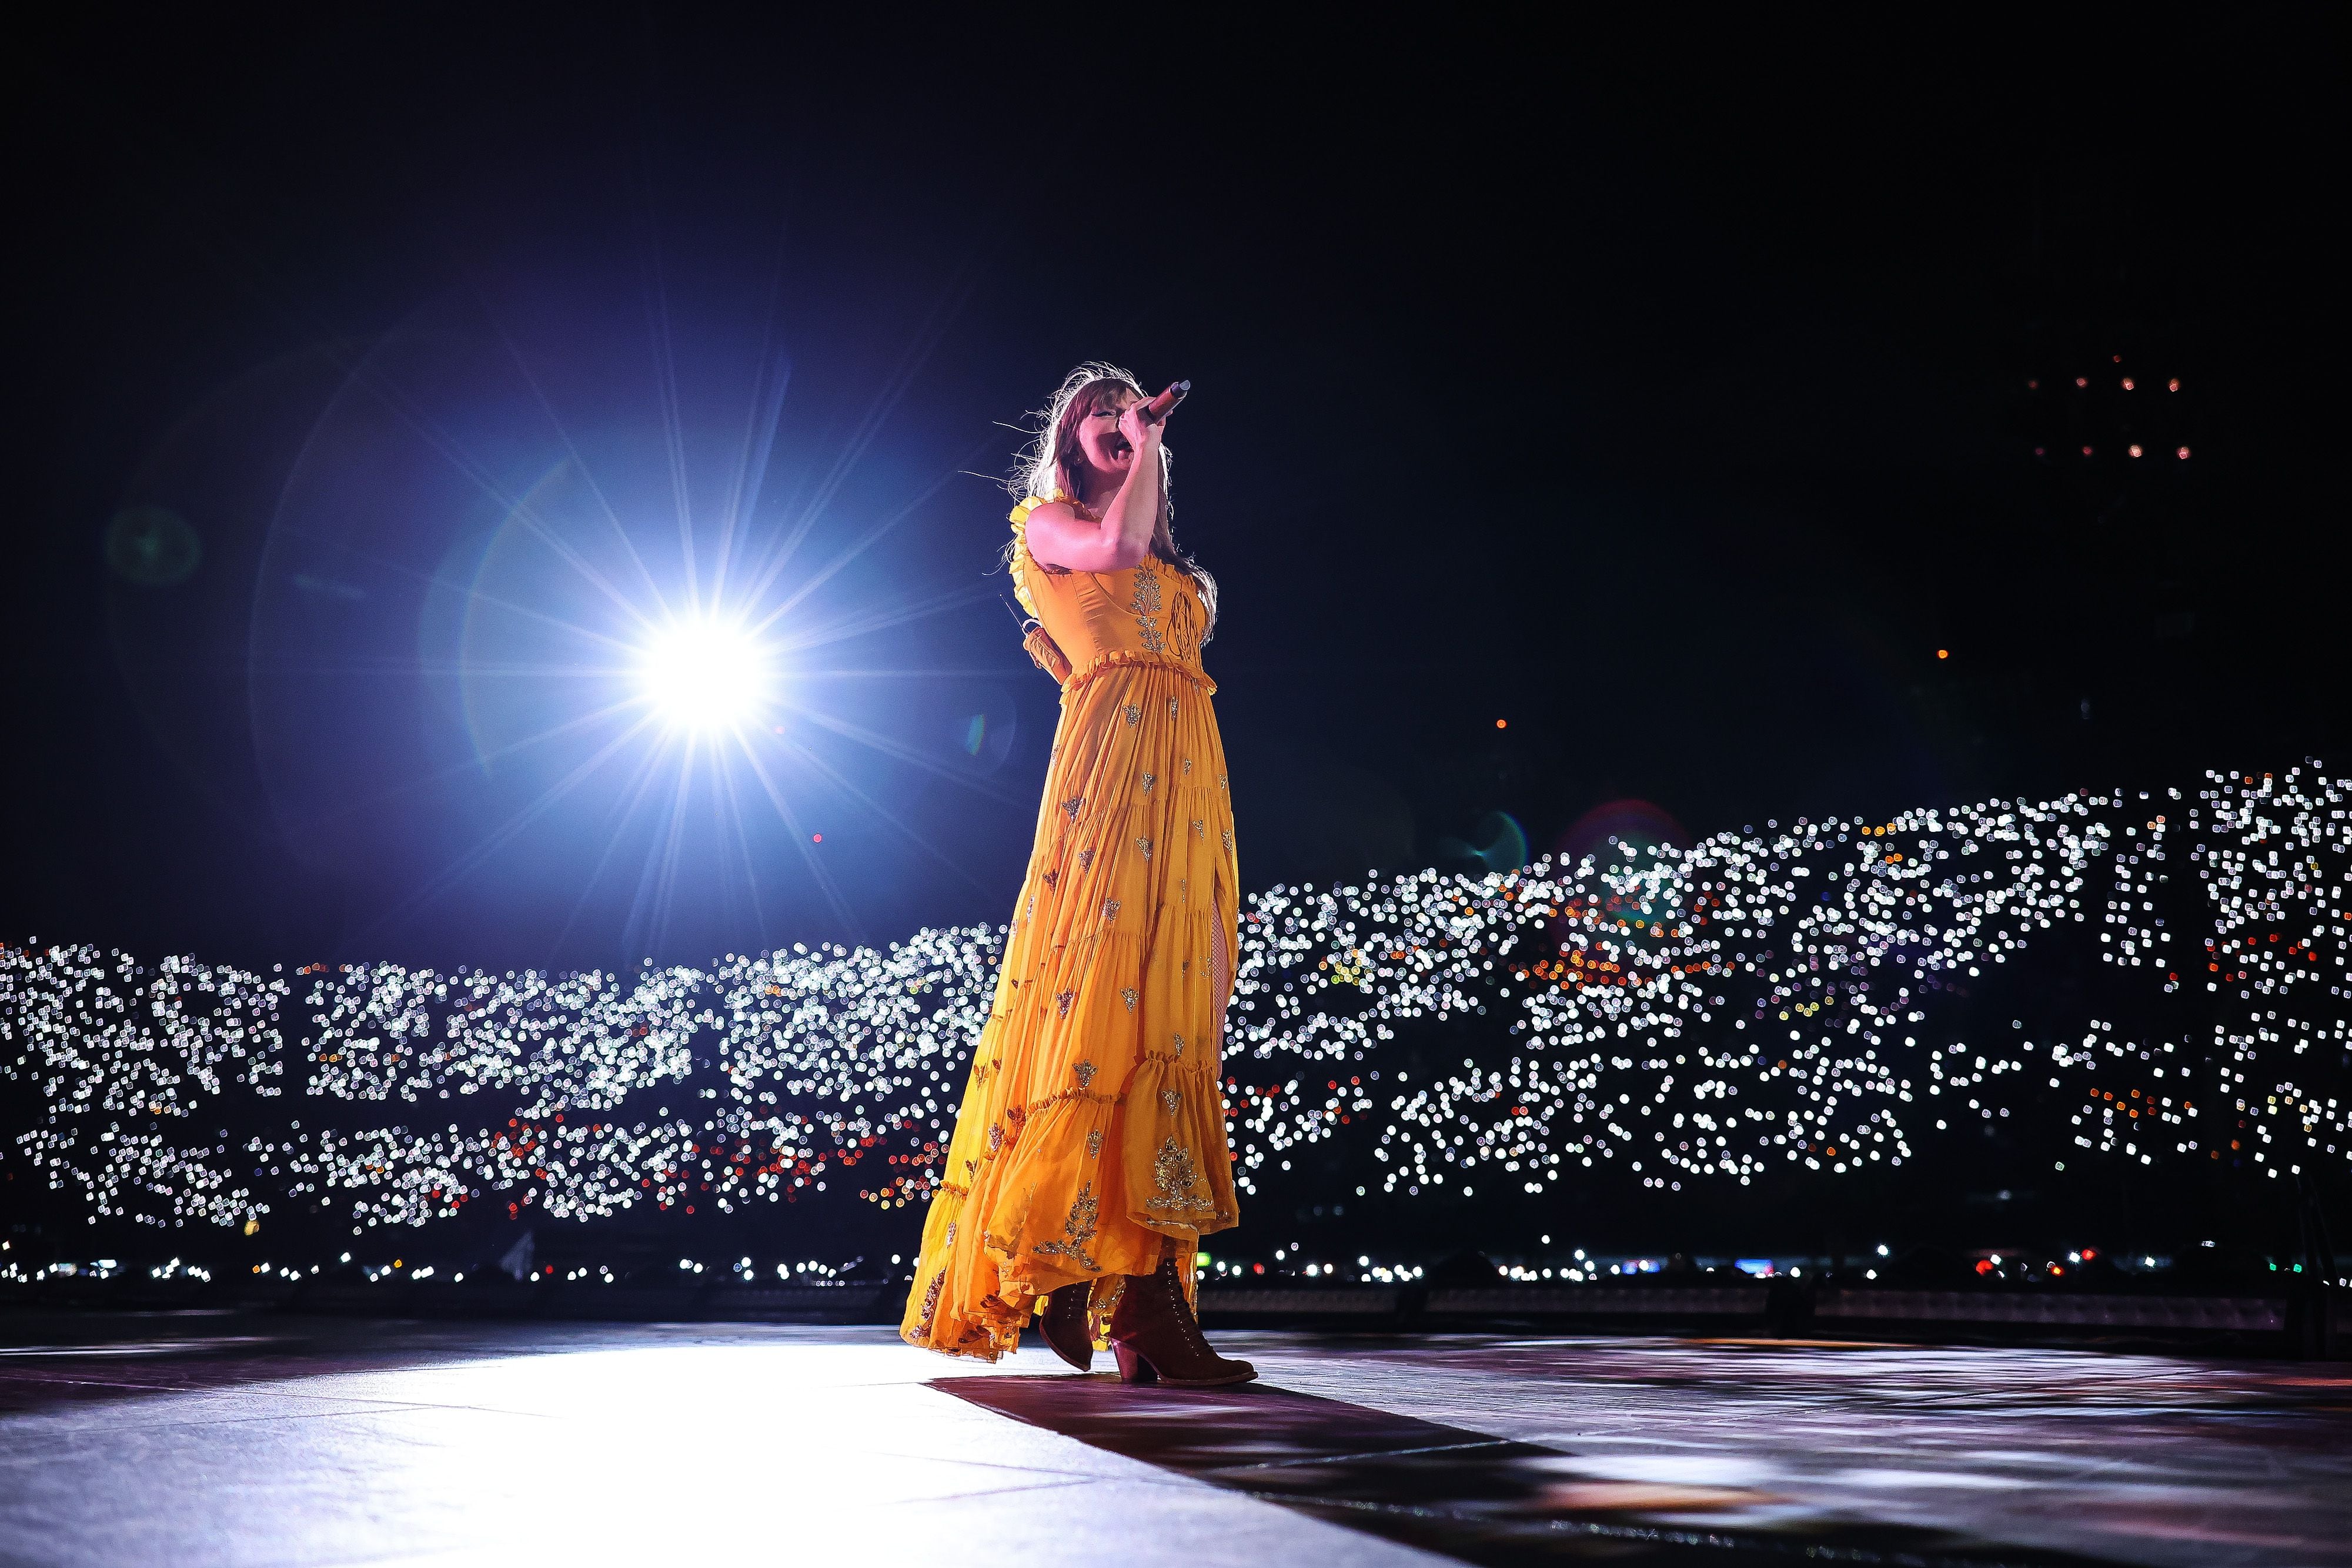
(191, 1439)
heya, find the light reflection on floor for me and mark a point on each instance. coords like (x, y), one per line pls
(2132, 1458)
(214, 1438)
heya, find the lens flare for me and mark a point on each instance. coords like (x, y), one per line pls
(705, 675)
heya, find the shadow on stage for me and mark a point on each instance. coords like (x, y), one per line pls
(1471, 1495)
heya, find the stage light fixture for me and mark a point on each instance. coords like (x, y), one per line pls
(704, 675)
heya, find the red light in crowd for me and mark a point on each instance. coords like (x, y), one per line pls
(2183, 454)
(817, 838)
(2128, 383)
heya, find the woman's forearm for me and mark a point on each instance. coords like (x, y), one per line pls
(1133, 515)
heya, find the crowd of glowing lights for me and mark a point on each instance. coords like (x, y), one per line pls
(1756, 1000)
(1780, 1000)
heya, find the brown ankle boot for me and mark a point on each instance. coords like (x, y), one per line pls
(1067, 1326)
(1158, 1340)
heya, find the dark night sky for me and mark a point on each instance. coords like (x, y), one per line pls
(1666, 398)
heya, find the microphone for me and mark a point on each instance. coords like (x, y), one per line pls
(1160, 407)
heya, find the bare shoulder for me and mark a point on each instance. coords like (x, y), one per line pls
(1053, 530)
(1052, 512)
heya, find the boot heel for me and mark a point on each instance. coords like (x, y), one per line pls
(1068, 1327)
(1158, 1339)
(1133, 1368)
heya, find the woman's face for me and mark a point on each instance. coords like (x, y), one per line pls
(1107, 452)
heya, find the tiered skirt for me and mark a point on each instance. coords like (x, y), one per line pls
(1092, 1132)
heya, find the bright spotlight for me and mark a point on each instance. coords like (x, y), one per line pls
(702, 674)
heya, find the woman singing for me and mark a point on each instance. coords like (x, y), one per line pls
(1089, 1155)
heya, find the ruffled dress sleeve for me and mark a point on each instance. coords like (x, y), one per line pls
(1044, 652)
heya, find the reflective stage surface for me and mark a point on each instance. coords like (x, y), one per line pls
(223, 1438)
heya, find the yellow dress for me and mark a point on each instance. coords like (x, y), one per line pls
(1093, 1125)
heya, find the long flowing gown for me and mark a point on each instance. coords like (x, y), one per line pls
(1092, 1132)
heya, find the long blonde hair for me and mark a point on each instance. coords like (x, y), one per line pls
(1048, 466)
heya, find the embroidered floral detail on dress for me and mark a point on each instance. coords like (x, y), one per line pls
(1146, 609)
(995, 1137)
(1052, 877)
(1086, 859)
(1171, 707)
(1200, 827)
(1229, 841)
(1062, 1004)
(1180, 1044)
(1084, 1072)
(1126, 995)
(949, 1241)
(1148, 780)
(1134, 714)
(1094, 1142)
(930, 1305)
(1072, 805)
(1175, 1174)
(1144, 845)
(1169, 1100)
(1110, 909)
(1077, 1231)
(1188, 765)
(1222, 784)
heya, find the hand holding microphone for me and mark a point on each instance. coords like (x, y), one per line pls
(1144, 423)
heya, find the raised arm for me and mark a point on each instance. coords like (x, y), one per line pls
(1060, 537)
